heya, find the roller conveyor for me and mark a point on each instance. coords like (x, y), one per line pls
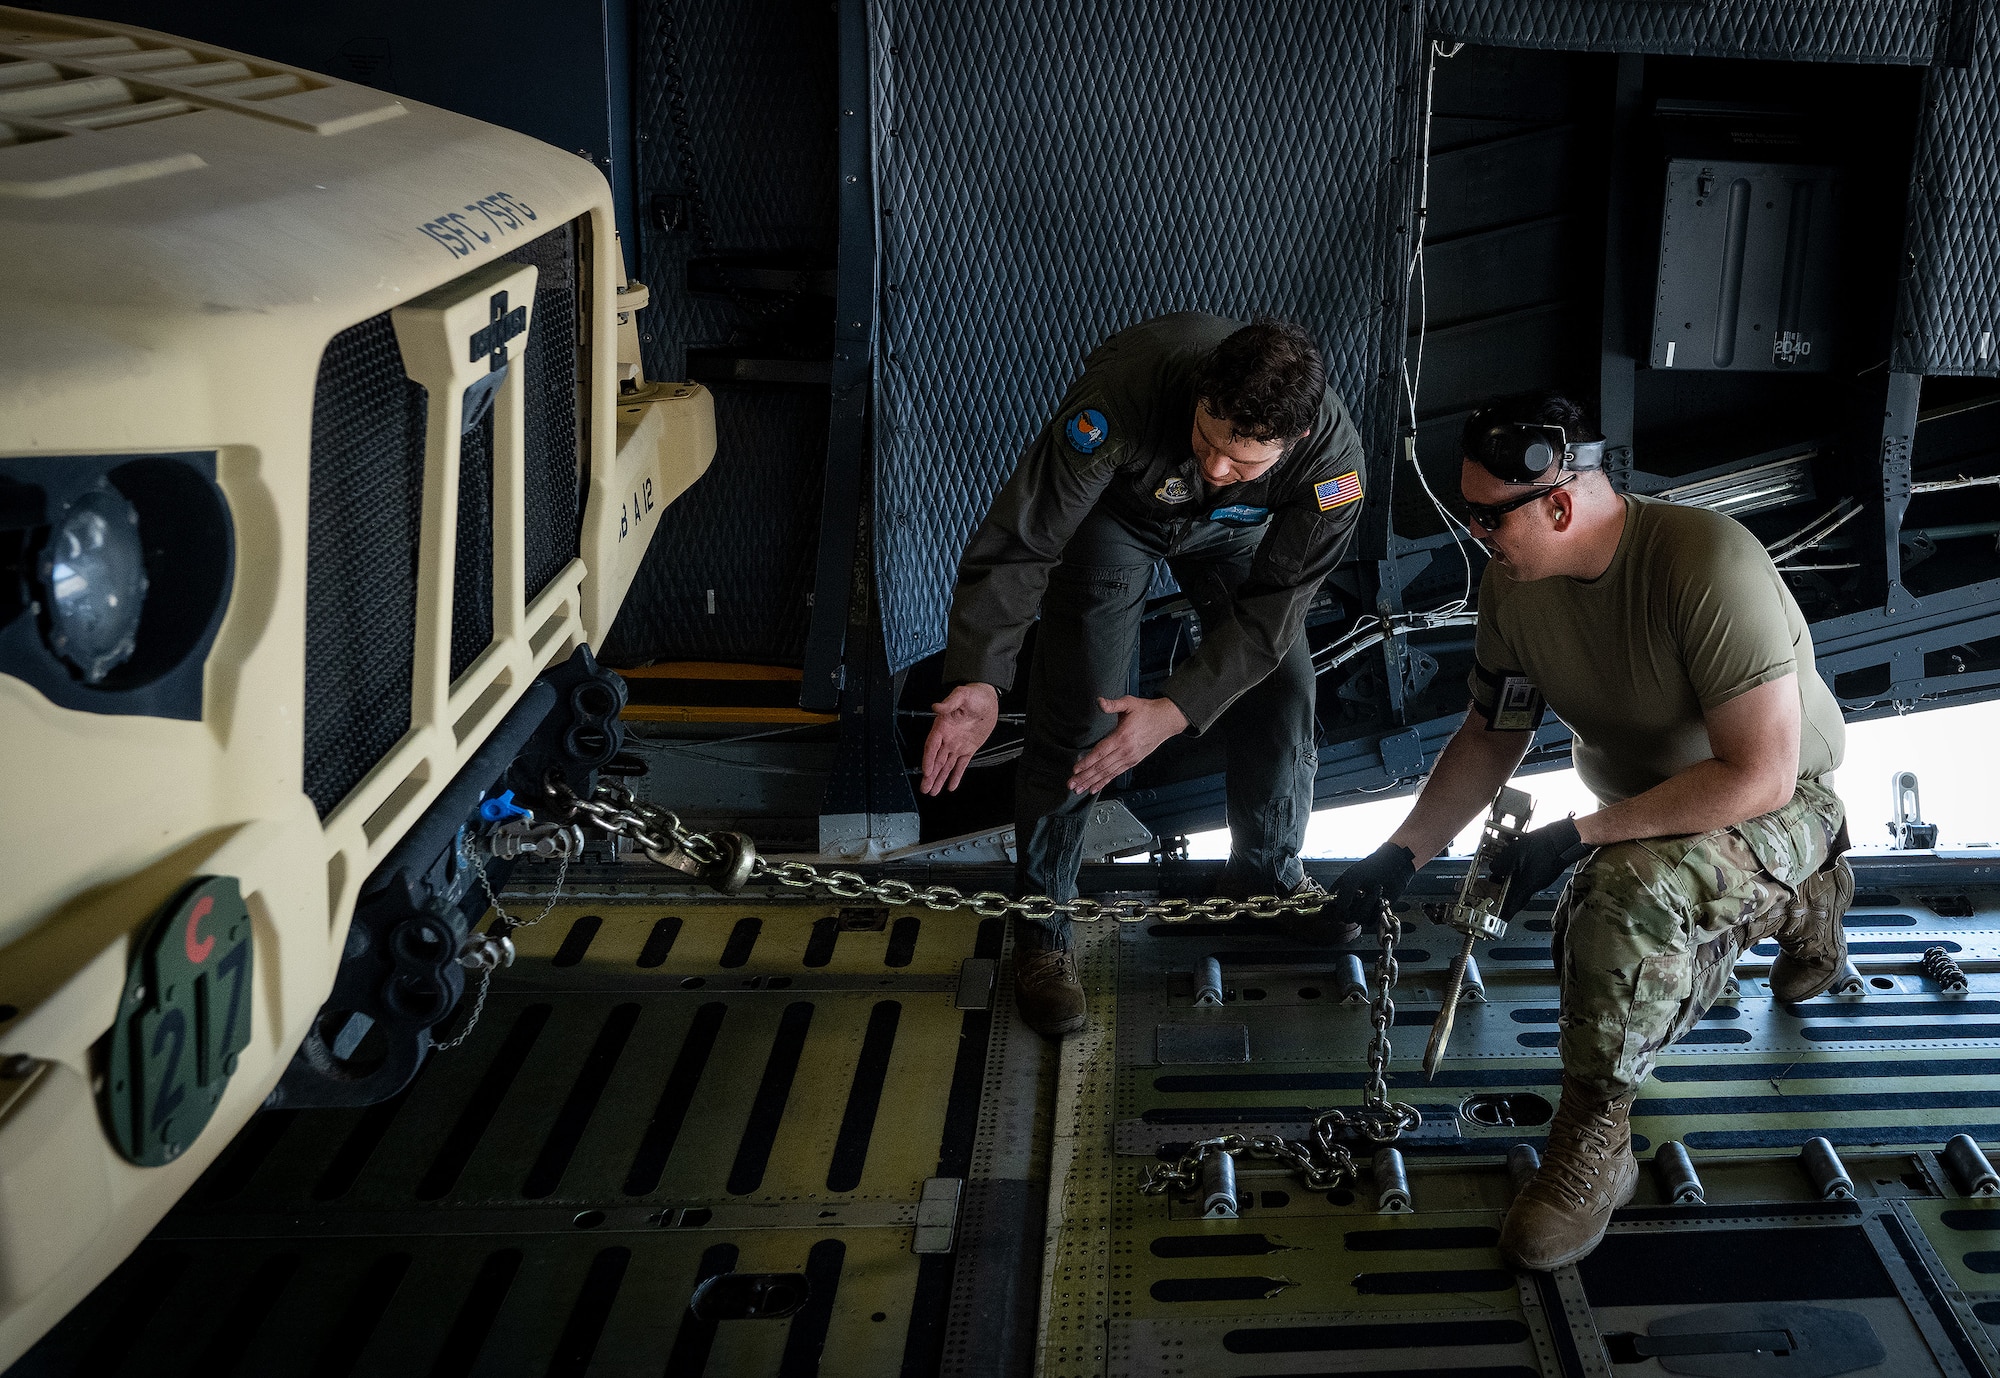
(770, 1136)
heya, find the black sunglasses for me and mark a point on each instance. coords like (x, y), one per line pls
(1487, 516)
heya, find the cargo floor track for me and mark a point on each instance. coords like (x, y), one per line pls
(770, 1136)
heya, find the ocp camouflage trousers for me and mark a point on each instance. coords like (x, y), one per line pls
(1648, 932)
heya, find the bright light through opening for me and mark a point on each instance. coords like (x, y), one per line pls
(1950, 749)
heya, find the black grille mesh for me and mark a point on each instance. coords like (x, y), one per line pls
(554, 439)
(472, 580)
(363, 517)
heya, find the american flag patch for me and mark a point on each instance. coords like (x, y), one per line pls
(1338, 492)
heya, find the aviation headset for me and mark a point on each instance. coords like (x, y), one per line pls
(1528, 452)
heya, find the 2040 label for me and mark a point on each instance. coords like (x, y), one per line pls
(479, 223)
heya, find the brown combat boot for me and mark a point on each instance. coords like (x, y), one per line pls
(1587, 1173)
(1046, 989)
(1812, 943)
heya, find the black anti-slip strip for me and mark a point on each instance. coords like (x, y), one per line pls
(902, 941)
(864, 1098)
(961, 1109)
(1767, 1210)
(1434, 1237)
(1834, 1262)
(1795, 1069)
(753, 1154)
(930, 1302)
(239, 1162)
(660, 941)
(355, 1325)
(1217, 1289)
(1307, 1339)
(807, 1337)
(458, 1146)
(696, 1336)
(1693, 1038)
(1866, 1137)
(1873, 1008)
(742, 938)
(1215, 1246)
(476, 1314)
(238, 1326)
(1933, 1294)
(1895, 1033)
(589, 1313)
(361, 1142)
(923, 1342)
(577, 941)
(992, 934)
(819, 947)
(657, 1144)
(1817, 1105)
(1720, 1014)
(581, 1103)
(1557, 1316)
(136, 1291)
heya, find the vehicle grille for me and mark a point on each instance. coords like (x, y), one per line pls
(365, 514)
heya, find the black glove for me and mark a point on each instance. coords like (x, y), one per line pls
(1536, 860)
(1379, 878)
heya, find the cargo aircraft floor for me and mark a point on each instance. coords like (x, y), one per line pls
(765, 1136)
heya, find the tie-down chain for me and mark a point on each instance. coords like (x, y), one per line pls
(727, 861)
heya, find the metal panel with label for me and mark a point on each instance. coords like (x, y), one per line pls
(1747, 258)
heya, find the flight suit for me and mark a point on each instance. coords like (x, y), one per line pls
(1108, 489)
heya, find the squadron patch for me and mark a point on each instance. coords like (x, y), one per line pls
(1173, 490)
(1086, 430)
(1338, 492)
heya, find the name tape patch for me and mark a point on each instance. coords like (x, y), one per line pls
(1338, 492)
(1518, 705)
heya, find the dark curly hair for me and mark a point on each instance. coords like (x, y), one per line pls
(1266, 380)
(1540, 408)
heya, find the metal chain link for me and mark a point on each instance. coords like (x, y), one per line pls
(612, 809)
(1323, 1162)
(510, 925)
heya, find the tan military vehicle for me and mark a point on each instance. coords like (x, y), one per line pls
(321, 470)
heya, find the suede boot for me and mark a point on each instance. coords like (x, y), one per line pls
(1812, 943)
(1587, 1172)
(1046, 988)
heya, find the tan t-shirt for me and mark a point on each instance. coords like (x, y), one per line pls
(1690, 614)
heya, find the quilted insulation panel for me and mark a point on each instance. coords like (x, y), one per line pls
(1048, 172)
(1800, 30)
(1952, 298)
(728, 574)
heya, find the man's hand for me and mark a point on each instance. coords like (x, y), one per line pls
(1379, 878)
(964, 721)
(1535, 860)
(1142, 725)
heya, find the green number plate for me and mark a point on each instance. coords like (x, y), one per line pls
(184, 1017)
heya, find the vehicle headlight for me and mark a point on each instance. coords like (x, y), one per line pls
(93, 577)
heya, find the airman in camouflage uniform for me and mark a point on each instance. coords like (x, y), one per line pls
(1667, 642)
